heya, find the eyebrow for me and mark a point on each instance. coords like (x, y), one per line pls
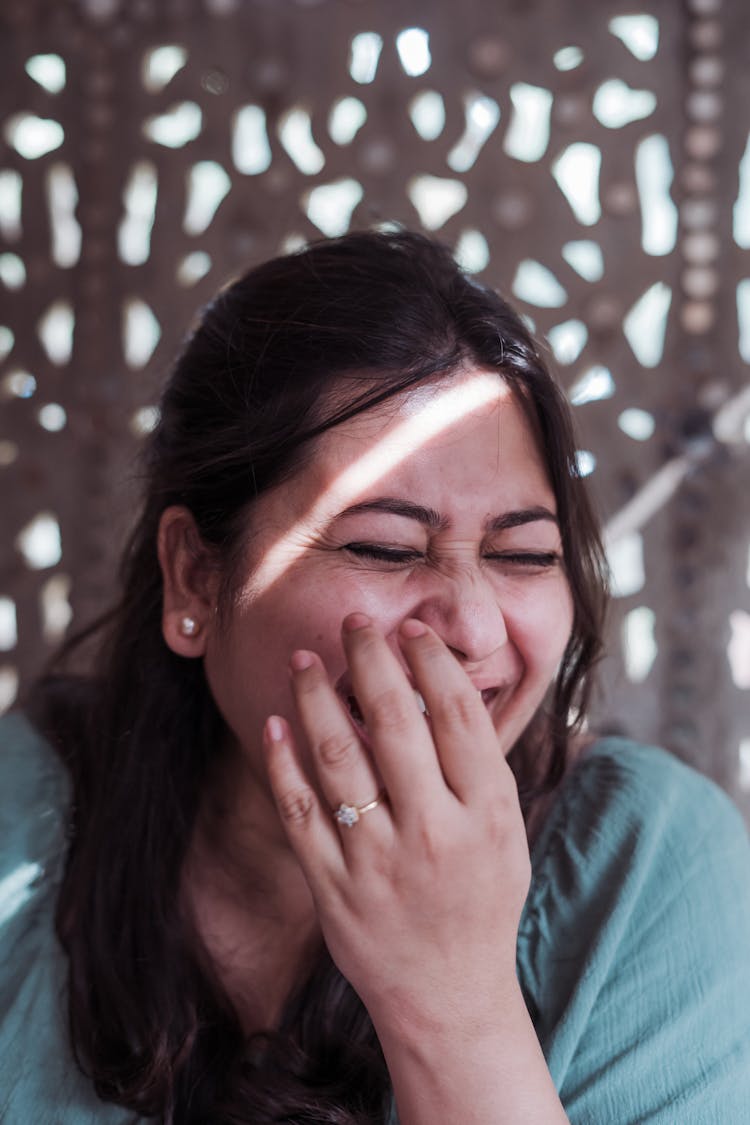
(432, 519)
(521, 516)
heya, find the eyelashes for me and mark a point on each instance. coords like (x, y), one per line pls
(375, 552)
(382, 554)
(543, 559)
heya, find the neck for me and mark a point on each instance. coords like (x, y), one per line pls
(248, 898)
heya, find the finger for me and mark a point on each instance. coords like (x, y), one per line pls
(344, 769)
(306, 822)
(468, 748)
(398, 735)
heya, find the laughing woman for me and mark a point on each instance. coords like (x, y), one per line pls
(320, 837)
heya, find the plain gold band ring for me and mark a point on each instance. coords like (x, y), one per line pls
(350, 814)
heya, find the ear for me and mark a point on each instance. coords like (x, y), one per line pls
(191, 580)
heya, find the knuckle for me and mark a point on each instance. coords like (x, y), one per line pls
(456, 711)
(296, 806)
(334, 749)
(388, 711)
(444, 847)
(495, 825)
(368, 641)
(431, 650)
(431, 844)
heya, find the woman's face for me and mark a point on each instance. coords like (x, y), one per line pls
(435, 505)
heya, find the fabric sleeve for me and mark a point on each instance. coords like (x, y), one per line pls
(40, 1082)
(33, 800)
(638, 946)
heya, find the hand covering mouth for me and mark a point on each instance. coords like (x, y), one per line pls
(356, 713)
(350, 700)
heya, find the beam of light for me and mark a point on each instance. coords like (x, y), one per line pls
(441, 413)
(661, 487)
(731, 420)
(647, 501)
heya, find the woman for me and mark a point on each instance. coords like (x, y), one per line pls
(338, 847)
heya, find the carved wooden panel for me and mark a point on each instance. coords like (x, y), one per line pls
(588, 158)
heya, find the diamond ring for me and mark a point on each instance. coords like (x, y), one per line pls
(350, 814)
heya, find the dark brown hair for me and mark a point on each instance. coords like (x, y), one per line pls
(288, 350)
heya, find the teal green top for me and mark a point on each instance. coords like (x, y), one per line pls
(633, 950)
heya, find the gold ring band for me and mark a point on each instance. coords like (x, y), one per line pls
(350, 814)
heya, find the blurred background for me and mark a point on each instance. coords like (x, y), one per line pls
(588, 158)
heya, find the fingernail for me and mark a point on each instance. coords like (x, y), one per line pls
(355, 621)
(413, 628)
(275, 728)
(301, 659)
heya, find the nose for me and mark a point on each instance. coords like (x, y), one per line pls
(466, 614)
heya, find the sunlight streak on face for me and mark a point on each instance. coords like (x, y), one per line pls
(437, 413)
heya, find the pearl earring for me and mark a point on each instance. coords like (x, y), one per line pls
(188, 626)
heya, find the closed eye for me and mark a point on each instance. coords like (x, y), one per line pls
(399, 555)
(380, 553)
(526, 558)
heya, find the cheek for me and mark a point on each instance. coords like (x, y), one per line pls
(323, 609)
(541, 625)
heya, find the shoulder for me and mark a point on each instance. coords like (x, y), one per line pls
(630, 824)
(633, 948)
(622, 791)
(34, 806)
(626, 774)
(39, 1078)
(34, 796)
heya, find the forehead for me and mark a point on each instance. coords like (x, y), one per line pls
(462, 435)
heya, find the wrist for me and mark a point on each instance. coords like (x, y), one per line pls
(424, 1027)
(477, 1066)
